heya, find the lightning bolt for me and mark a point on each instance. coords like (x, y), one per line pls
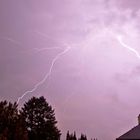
(119, 38)
(36, 86)
(11, 40)
(46, 76)
(17, 44)
(39, 50)
(43, 49)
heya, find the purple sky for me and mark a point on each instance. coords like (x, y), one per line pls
(93, 86)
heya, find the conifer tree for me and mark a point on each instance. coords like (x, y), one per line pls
(40, 120)
(68, 136)
(74, 136)
(10, 127)
(83, 137)
(71, 136)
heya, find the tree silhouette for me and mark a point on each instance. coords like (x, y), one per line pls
(9, 122)
(71, 136)
(68, 136)
(35, 121)
(20, 130)
(40, 120)
(74, 136)
(83, 137)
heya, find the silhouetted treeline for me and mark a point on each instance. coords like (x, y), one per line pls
(34, 121)
(72, 136)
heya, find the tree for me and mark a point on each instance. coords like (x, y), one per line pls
(68, 136)
(8, 117)
(20, 130)
(71, 136)
(74, 136)
(83, 137)
(9, 122)
(40, 120)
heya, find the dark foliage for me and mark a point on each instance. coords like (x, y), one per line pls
(11, 125)
(83, 137)
(71, 136)
(40, 120)
(35, 121)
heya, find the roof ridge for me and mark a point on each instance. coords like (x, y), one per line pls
(133, 133)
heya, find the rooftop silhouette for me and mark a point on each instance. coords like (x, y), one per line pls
(133, 134)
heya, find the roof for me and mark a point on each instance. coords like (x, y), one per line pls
(134, 133)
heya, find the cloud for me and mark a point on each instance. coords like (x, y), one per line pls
(98, 75)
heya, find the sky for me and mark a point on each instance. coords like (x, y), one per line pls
(82, 55)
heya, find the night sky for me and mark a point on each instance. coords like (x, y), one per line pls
(82, 55)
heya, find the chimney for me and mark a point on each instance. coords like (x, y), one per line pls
(139, 119)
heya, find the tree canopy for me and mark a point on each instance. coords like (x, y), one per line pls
(40, 120)
(34, 121)
(11, 123)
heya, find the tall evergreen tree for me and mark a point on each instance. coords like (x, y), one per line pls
(8, 117)
(74, 136)
(40, 120)
(9, 124)
(83, 137)
(68, 136)
(71, 136)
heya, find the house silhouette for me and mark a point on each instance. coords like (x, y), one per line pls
(133, 134)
